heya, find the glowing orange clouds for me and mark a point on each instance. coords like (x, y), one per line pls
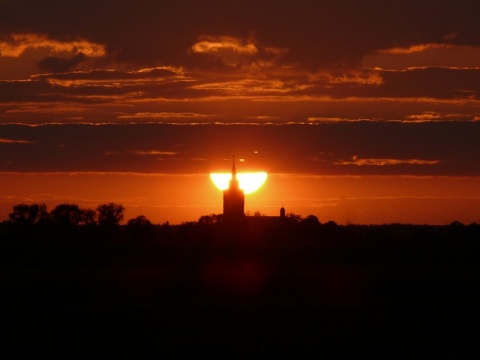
(382, 162)
(243, 53)
(414, 48)
(165, 115)
(249, 181)
(19, 43)
(14, 141)
(425, 55)
(213, 44)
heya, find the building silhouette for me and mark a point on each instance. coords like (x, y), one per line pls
(234, 203)
(233, 198)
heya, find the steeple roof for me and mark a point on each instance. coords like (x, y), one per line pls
(234, 170)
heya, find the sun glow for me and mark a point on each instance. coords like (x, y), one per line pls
(249, 181)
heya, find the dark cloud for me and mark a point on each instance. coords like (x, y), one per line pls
(317, 34)
(285, 60)
(427, 82)
(105, 85)
(434, 82)
(329, 149)
(24, 91)
(56, 64)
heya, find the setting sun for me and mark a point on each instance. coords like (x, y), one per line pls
(249, 181)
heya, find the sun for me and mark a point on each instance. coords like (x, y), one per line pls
(249, 181)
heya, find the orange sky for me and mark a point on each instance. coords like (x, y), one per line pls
(361, 111)
(185, 197)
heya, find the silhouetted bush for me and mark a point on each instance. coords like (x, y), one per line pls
(110, 214)
(140, 228)
(294, 218)
(311, 220)
(24, 214)
(72, 215)
(210, 219)
(139, 221)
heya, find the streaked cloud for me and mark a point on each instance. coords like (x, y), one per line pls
(262, 117)
(385, 162)
(113, 78)
(16, 44)
(14, 141)
(352, 76)
(433, 116)
(425, 55)
(322, 119)
(46, 108)
(106, 95)
(239, 53)
(219, 44)
(143, 152)
(165, 115)
(413, 49)
(252, 86)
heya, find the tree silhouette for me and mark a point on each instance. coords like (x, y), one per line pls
(67, 215)
(294, 218)
(72, 215)
(139, 221)
(311, 220)
(210, 219)
(24, 214)
(110, 214)
(139, 228)
(89, 216)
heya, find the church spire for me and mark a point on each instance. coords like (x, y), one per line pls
(234, 169)
(233, 197)
(234, 181)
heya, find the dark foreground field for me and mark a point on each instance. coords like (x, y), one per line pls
(392, 292)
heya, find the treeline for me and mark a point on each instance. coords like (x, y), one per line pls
(203, 285)
(69, 221)
(109, 214)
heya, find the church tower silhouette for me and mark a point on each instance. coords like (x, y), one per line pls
(233, 198)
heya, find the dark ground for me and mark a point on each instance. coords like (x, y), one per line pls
(391, 292)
